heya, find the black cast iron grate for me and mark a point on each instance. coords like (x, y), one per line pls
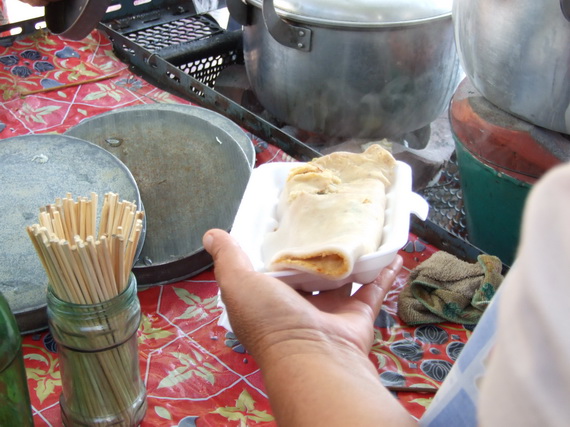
(184, 30)
(170, 39)
(207, 70)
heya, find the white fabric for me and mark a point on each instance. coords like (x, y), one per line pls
(515, 368)
(203, 6)
(527, 382)
(455, 404)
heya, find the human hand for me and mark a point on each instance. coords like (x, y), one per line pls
(265, 312)
(313, 350)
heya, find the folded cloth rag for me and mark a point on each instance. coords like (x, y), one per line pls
(445, 288)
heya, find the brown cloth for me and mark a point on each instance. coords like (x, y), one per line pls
(445, 288)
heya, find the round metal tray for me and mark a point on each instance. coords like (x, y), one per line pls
(224, 124)
(191, 169)
(34, 171)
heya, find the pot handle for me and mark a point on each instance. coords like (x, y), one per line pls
(565, 6)
(239, 11)
(288, 35)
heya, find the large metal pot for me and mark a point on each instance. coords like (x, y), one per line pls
(517, 54)
(366, 68)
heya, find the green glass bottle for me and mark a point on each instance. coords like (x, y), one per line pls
(15, 408)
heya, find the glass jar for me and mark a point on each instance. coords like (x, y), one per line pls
(99, 360)
(15, 408)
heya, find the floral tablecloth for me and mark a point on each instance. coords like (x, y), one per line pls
(196, 373)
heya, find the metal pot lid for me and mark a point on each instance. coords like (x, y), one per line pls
(360, 13)
(34, 171)
(191, 171)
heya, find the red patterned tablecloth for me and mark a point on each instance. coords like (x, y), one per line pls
(196, 373)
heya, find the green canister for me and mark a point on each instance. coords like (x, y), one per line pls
(15, 408)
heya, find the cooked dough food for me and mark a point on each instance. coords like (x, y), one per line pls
(330, 213)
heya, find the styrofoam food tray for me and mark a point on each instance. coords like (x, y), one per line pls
(256, 217)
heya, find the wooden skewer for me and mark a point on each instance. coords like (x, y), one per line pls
(128, 221)
(119, 211)
(132, 247)
(67, 220)
(118, 258)
(72, 217)
(111, 215)
(89, 272)
(109, 285)
(82, 268)
(94, 201)
(58, 224)
(81, 297)
(64, 86)
(40, 247)
(56, 276)
(74, 292)
(104, 217)
(96, 267)
(90, 294)
(79, 282)
(121, 262)
(45, 221)
(108, 262)
(82, 218)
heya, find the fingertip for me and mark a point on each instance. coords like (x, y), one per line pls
(389, 273)
(208, 241)
(211, 238)
(397, 263)
(225, 251)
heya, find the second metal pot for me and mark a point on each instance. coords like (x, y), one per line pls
(516, 53)
(378, 72)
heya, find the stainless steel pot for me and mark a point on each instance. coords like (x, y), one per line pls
(517, 54)
(367, 68)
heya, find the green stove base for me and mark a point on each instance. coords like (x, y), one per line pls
(493, 202)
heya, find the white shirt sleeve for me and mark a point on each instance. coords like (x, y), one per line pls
(527, 380)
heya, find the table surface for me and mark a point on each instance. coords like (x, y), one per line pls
(196, 373)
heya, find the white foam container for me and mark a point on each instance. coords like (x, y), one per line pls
(256, 216)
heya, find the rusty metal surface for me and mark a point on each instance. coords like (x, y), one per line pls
(191, 172)
(502, 141)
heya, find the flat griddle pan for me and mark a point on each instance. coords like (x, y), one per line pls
(191, 170)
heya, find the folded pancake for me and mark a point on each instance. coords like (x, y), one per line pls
(330, 213)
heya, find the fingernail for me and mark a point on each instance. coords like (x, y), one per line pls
(207, 241)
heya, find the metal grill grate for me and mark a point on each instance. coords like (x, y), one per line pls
(172, 37)
(206, 70)
(185, 30)
(446, 201)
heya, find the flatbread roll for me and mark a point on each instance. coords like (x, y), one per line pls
(330, 213)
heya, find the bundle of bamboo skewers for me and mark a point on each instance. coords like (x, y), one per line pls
(89, 266)
(82, 268)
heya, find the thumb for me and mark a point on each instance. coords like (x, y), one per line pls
(228, 256)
